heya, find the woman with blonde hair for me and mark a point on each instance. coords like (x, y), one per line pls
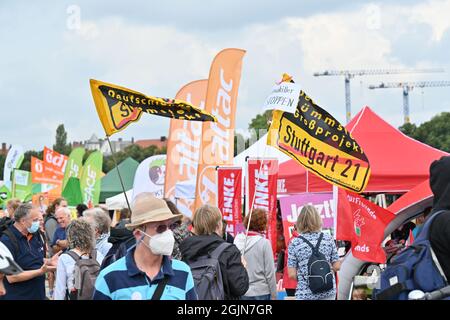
(207, 222)
(302, 248)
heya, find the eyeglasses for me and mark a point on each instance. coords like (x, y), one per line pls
(163, 227)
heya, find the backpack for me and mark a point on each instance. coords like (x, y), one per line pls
(5, 223)
(207, 275)
(117, 251)
(84, 274)
(320, 275)
(415, 268)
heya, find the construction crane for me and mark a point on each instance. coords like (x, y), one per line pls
(348, 74)
(407, 87)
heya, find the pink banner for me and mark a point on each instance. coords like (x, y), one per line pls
(292, 205)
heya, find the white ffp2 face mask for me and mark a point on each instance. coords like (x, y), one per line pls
(160, 243)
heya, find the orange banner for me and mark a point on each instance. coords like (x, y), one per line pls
(218, 138)
(54, 166)
(183, 147)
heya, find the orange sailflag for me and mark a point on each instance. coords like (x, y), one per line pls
(183, 147)
(218, 138)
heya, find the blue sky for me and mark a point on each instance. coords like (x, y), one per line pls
(156, 47)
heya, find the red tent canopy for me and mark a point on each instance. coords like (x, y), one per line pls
(398, 162)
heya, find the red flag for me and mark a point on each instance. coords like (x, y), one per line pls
(363, 223)
(262, 192)
(229, 191)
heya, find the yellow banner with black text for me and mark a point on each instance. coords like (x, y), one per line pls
(319, 142)
(117, 107)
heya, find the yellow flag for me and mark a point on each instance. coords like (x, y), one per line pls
(117, 107)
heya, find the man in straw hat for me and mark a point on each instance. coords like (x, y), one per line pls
(147, 271)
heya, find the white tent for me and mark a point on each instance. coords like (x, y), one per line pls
(260, 150)
(118, 201)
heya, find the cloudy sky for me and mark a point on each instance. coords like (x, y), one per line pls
(50, 50)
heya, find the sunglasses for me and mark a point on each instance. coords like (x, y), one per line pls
(163, 227)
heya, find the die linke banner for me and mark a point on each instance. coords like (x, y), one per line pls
(229, 191)
(292, 206)
(262, 176)
(363, 223)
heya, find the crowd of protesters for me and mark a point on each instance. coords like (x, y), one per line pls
(156, 252)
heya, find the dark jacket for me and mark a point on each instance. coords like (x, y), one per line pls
(234, 275)
(440, 228)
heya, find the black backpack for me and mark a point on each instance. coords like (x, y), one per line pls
(5, 223)
(320, 275)
(122, 240)
(207, 274)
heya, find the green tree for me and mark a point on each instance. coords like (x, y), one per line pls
(61, 145)
(26, 164)
(435, 132)
(260, 121)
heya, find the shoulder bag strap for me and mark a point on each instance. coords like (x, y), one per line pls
(160, 288)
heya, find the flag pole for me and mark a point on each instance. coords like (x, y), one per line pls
(118, 172)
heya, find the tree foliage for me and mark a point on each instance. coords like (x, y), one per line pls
(435, 132)
(61, 144)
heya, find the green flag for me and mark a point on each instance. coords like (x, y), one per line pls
(72, 192)
(22, 186)
(5, 195)
(74, 165)
(90, 178)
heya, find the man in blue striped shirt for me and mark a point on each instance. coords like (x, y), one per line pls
(147, 267)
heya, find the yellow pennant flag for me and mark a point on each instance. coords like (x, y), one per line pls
(117, 107)
(316, 140)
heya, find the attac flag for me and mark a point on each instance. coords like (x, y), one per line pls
(261, 179)
(229, 194)
(90, 178)
(117, 107)
(363, 223)
(218, 138)
(74, 165)
(183, 147)
(316, 140)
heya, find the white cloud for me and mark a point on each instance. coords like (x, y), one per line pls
(435, 14)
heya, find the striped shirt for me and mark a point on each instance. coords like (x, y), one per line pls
(122, 280)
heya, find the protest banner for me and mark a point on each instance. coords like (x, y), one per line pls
(316, 140)
(218, 137)
(183, 148)
(363, 223)
(150, 176)
(13, 160)
(117, 107)
(261, 181)
(74, 165)
(90, 178)
(229, 196)
(291, 207)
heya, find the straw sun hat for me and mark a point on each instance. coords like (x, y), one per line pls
(147, 208)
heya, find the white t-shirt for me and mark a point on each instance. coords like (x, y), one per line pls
(64, 274)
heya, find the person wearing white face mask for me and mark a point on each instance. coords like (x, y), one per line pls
(147, 272)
